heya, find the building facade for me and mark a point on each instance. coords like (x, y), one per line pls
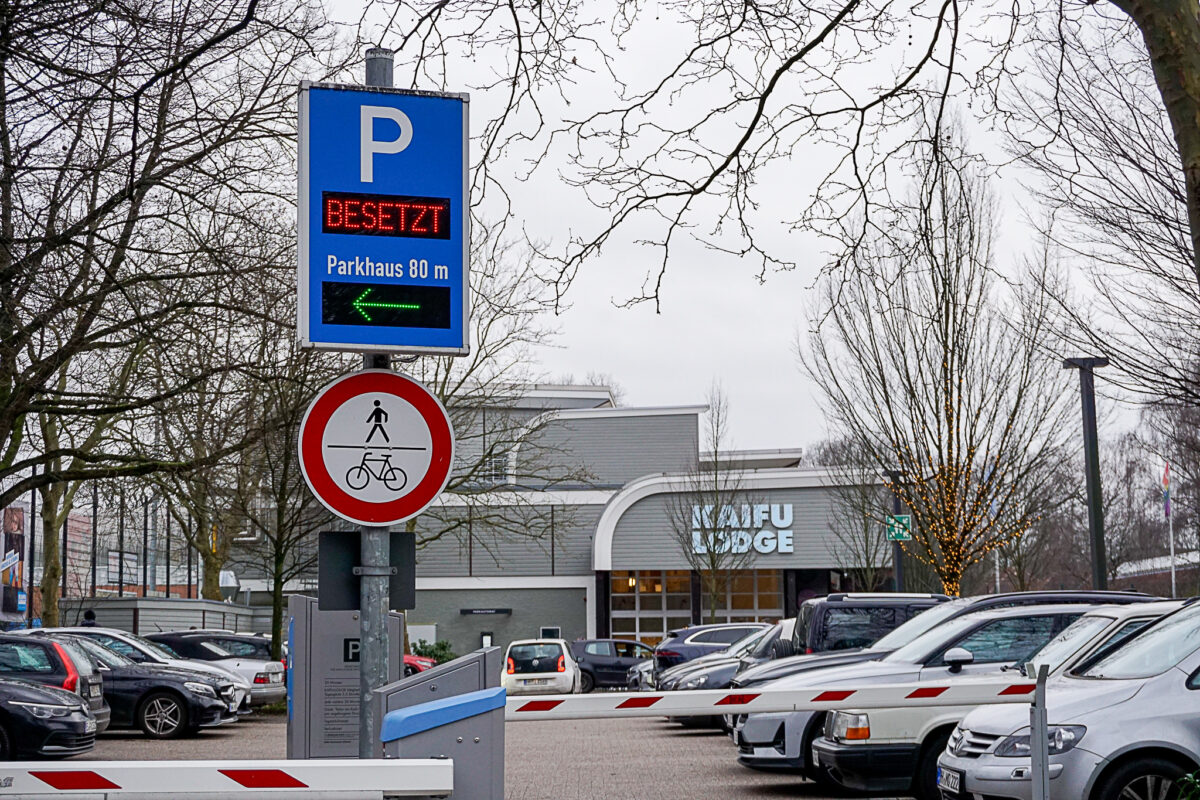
(601, 544)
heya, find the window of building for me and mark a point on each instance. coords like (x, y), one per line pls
(645, 605)
(750, 596)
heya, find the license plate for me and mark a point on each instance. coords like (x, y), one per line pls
(537, 682)
(93, 691)
(949, 779)
(816, 757)
(89, 726)
(232, 706)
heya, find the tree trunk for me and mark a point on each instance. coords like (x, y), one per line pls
(276, 615)
(210, 586)
(51, 555)
(1171, 30)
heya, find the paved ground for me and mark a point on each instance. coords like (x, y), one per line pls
(568, 760)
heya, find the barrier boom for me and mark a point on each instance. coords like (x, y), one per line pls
(706, 702)
(340, 777)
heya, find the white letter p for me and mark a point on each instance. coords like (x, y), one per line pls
(368, 147)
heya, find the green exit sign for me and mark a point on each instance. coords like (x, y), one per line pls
(899, 528)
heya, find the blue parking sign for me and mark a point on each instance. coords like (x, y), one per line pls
(383, 220)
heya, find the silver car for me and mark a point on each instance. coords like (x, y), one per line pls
(1126, 727)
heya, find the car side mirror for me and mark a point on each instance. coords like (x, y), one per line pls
(957, 657)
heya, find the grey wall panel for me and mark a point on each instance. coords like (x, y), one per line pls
(644, 537)
(531, 609)
(616, 450)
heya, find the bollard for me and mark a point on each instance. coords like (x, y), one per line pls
(1039, 735)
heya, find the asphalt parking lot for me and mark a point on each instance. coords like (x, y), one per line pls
(547, 760)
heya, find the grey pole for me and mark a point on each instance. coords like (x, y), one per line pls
(1091, 456)
(121, 547)
(1039, 745)
(95, 522)
(375, 552)
(897, 550)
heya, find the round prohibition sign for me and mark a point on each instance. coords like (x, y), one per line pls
(376, 447)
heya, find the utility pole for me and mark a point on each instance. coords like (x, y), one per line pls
(897, 549)
(375, 553)
(121, 547)
(1091, 457)
(95, 541)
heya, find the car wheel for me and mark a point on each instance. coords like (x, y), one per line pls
(1144, 779)
(586, 682)
(815, 773)
(925, 781)
(162, 716)
(409, 670)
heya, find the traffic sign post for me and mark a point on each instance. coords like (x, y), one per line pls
(899, 528)
(383, 220)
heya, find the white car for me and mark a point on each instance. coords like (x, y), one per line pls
(144, 651)
(1125, 726)
(540, 666)
(978, 642)
(895, 749)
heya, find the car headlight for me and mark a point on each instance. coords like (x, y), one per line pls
(200, 689)
(45, 710)
(1062, 738)
(852, 727)
(694, 683)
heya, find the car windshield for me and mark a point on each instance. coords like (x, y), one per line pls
(101, 654)
(83, 662)
(1056, 651)
(1153, 651)
(925, 621)
(932, 640)
(216, 649)
(744, 645)
(157, 648)
(762, 646)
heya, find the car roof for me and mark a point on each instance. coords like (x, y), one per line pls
(1039, 610)
(881, 597)
(1124, 610)
(719, 625)
(1041, 595)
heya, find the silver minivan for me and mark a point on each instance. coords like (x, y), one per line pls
(1125, 727)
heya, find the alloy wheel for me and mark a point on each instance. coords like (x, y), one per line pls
(162, 716)
(1150, 787)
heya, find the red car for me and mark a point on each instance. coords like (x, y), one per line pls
(414, 664)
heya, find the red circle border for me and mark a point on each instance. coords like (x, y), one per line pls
(312, 464)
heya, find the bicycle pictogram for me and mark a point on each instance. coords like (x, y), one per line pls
(393, 477)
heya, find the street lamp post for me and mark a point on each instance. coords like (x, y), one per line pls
(1091, 456)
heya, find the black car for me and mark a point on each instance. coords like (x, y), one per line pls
(56, 664)
(162, 701)
(851, 621)
(39, 721)
(606, 662)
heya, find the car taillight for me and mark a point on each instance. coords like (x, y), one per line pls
(667, 654)
(71, 684)
(562, 663)
(262, 677)
(808, 651)
(512, 668)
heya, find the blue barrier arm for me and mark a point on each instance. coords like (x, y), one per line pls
(405, 722)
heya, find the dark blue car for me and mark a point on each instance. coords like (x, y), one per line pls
(684, 644)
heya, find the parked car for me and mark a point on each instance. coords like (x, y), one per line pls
(250, 645)
(853, 620)
(414, 664)
(927, 620)
(162, 702)
(266, 676)
(685, 644)
(144, 651)
(39, 721)
(640, 677)
(540, 666)
(895, 750)
(718, 671)
(57, 664)
(606, 662)
(669, 678)
(983, 641)
(1123, 727)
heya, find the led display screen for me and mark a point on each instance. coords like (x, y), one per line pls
(385, 215)
(385, 304)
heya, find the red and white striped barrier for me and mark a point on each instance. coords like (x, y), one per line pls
(706, 702)
(342, 778)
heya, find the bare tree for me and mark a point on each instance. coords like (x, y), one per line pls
(713, 517)
(131, 136)
(692, 140)
(923, 366)
(861, 505)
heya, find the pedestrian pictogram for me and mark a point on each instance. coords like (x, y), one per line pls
(376, 447)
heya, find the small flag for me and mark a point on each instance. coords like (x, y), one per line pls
(1166, 484)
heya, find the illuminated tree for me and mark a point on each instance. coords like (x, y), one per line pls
(938, 377)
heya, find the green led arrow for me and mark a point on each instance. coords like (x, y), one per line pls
(362, 303)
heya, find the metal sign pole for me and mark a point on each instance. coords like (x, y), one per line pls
(374, 568)
(1039, 739)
